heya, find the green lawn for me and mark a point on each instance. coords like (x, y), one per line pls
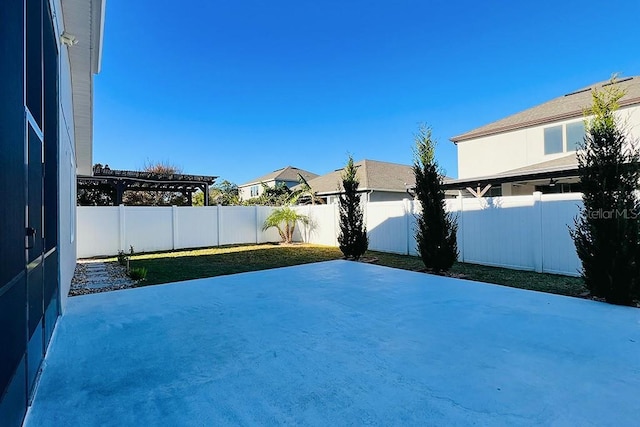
(194, 264)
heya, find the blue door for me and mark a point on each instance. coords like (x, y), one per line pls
(29, 289)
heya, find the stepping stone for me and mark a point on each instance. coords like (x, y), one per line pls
(98, 285)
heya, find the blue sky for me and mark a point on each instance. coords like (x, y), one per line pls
(239, 88)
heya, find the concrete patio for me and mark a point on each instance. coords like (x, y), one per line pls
(339, 343)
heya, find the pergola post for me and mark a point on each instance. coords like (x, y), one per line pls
(206, 194)
(119, 192)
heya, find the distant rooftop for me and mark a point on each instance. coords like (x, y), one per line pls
(289, 173)
(571, 105)
(372, 174)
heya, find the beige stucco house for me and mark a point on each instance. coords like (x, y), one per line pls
(535, 150)
(289, 176)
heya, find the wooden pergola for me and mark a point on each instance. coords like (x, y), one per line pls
(119, 181)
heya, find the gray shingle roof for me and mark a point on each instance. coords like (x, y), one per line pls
(289, 173)
(372, 174)
(565, 162)
(571, 105)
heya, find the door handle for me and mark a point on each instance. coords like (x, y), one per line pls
(30, 234)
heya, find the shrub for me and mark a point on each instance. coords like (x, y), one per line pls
(436, 232)
(607, 231)
(122, 258)
(284, 219)
(138, 273)
(353, 240)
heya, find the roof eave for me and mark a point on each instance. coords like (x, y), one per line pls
(551, 119)
(98, 38)
(84, 19)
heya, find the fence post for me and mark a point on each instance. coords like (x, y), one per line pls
(365, 212)
(537, 227)
(408, 208)
(174, 226)
(257, 225)
(218, 213)
(121, 234)
(335, 224)
(460, 235)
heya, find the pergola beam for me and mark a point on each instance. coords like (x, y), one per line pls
(121, 181)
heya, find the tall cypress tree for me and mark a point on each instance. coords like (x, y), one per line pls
(353, 240)
(607, 230)
(436, 231)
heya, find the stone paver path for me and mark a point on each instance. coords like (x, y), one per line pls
(93, 276)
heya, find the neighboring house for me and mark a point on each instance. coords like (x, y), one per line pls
(287, 176)
(49, 52)
(535, 150)
(379, 182)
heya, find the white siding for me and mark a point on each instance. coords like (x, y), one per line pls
(502, 152)
(67, 168)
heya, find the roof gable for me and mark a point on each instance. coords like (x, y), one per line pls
(372, 174)
(571, 105)
(289, 173)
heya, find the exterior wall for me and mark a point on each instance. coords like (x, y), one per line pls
(387, 196)
(374, 196)
(38, 219)
(511, 150)
(67, 168)
(245, 190)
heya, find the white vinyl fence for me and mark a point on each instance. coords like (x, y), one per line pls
(521, 232)
(104, 230)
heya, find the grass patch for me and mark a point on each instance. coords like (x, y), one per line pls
(165, 267)
(543, 282)
(196, 264)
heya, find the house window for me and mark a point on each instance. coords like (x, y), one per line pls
(254, 190)
(575, 135)
(553, 140)
(563, 138)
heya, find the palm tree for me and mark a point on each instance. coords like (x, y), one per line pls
(306, 191)
(284, 219)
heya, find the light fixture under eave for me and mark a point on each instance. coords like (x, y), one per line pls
(552, 182)
(68, 39)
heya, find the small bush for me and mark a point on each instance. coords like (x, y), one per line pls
(122, 258)
(138, 273)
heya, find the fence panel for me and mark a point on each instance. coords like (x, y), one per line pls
(148, 228)
(387, 226)
(270, 235)
(98, 231)
(523, 232)
(238, 224)
(195, 228)
(498, 231)
(558, 250)
(323, 225)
